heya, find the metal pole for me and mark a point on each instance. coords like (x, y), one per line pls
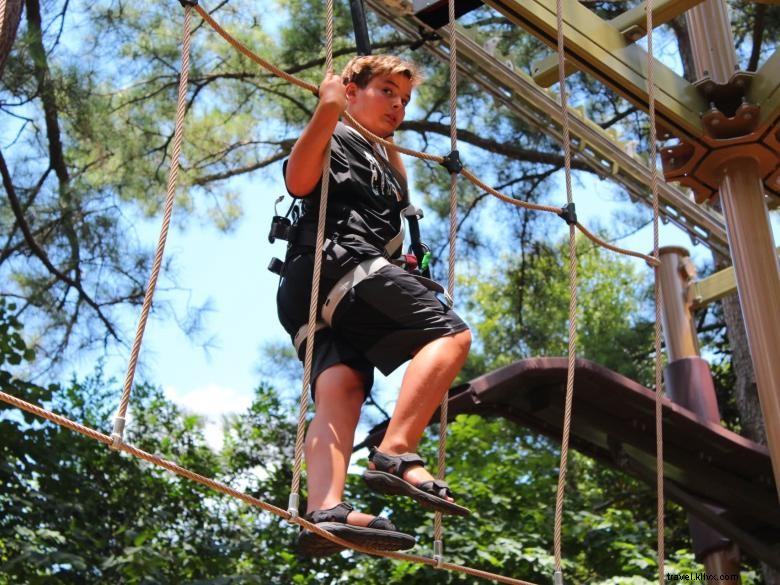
(362, 40)
(747, 225)
(676, 318)
(714, 55)
(689, 383)
(758, 285)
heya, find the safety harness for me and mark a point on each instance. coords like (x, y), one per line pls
(417, 263)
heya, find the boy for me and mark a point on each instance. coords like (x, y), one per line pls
(382, 321)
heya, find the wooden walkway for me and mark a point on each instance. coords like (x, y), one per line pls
(718, 476)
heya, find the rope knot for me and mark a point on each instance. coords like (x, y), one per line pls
(568, 214)
(452, 163)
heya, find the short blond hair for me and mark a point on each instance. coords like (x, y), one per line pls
(361, 70)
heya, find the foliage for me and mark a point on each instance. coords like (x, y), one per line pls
(519, 308)
(72, 510)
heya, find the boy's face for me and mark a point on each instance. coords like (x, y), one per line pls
(380, 106)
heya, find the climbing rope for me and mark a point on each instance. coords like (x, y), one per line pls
(438, 542)
(659, 440)
(315, 291)
(572, 351)
(2, 15)
(119, 420)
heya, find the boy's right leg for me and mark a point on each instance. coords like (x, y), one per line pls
(338, 398)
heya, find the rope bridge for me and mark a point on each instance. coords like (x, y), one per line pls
(115, 440)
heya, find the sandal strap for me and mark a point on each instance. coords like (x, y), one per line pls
(436, 487)
(394, 464)
(381, 523)
(337, 513)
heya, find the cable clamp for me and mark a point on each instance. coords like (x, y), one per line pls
(186, 3)
(452, 162)
(438, 552)
(557, 578)
(568, 214)
(292, 507)
(118, 433)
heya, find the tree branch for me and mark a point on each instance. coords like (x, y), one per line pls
(41, 254)
(319, 62)
(617, 117)
(508, 150)
(53, 134)
(758, 37)
(286, 147)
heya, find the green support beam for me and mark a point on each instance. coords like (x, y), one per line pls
(715, 287)
(632, 24)
(599, 48)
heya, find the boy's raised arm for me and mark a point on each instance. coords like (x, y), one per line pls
(304, 167)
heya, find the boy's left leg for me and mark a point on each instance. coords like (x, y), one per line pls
(428, 377)
(393, 316)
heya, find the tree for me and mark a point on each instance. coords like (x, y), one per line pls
(74, 511)
(88, 141)
(519, 308)
(88, 137)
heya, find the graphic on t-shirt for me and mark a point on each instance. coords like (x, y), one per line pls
(383, 184)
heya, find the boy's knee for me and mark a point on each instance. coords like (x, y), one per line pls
(463, 341)
(340, 384)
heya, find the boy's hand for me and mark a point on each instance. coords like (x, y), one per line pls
(332, 91)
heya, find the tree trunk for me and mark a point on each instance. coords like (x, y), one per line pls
(680, 29)
(9, 23)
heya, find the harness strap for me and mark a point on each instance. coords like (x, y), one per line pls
(347, 282)
(300, 336)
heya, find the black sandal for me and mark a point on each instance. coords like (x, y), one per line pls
(380, 534)
(387, 478)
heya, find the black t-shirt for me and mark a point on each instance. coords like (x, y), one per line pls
(365, 196)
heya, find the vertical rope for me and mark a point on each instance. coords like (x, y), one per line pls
(2, 15)
(659, 445)
(315, 293)
(119, 420)
(453, 61)
(566, 137)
